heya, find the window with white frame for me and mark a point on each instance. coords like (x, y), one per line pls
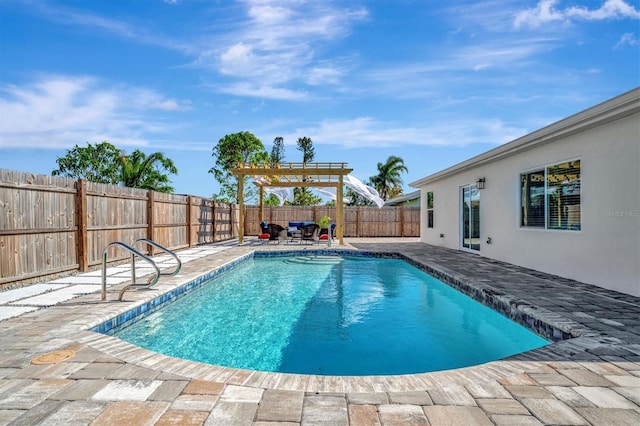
(429, 209)
(550, 197)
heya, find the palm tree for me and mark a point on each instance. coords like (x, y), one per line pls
(388, 181)
(147, 172)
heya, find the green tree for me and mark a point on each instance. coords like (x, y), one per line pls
(104, 163)
(388, 181)
(305, 145)
(96, 163)
(277, 156)
(303, 196)
(138, 170)
(241, 147)
(395, 192)
(277, 151)
(271, 200)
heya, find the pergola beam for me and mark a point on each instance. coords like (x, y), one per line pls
(299, 184)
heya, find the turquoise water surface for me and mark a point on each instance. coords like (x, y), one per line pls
(331, 316)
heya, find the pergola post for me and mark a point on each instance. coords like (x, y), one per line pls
(340, 210)
(261, 210)
(241, 209)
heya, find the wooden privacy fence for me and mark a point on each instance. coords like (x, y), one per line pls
(51, 225)
(358, 221)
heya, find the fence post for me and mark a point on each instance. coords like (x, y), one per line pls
(189, 221)
(151, 226)
(231, 221)
(213, 220)
(244, 221)
(358, 221)
(81, 221)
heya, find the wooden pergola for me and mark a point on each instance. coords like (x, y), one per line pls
(293, 175)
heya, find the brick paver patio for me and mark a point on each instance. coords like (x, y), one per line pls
(591, 379)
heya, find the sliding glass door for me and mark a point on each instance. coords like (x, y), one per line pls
(470, 215)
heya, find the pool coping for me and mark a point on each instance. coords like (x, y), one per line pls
(575, 338)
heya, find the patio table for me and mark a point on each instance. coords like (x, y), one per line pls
(295, 234)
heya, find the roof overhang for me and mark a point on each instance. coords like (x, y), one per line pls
(405, 197)
(614, 109)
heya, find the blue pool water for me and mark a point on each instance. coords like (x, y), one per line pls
(331, 316)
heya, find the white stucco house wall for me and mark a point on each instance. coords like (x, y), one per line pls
(564, 199)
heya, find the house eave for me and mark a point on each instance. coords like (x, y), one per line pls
(614, 109)
(405, 197)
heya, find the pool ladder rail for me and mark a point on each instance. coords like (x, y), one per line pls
(152, 280)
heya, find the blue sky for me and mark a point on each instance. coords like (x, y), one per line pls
(434, 82)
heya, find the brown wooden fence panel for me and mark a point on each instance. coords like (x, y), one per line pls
(114, 213)
(170, 212)
(411, 222)
(382, 223)
(223, 219)
(252, 219)
(202, 230)
(38, 228)
(351, 222)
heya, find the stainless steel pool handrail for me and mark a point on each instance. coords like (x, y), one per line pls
(134, 253)
(166, 250)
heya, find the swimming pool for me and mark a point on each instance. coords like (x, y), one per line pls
(330, 315)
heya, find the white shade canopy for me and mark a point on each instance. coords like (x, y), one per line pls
(366, 191)
(283, 194)
(286, 193)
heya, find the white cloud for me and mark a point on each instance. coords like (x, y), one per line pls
(546, 12)
(275, 46)
(262, 91)
(611, 9)
(146, 99)
(503, 54)
(272, 45)
(493, 61)
(269, 14)
(543, 12)
(61, 111)
(627, 39)
(324, 74)
(479, 17)
(366, 132)
(77, 17)
(236, 56)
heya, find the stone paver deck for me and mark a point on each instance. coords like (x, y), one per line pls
(592, 378)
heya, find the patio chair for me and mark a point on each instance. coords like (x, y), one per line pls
(329, 235)
(277, 232)
(310, 232)
(264, 235)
